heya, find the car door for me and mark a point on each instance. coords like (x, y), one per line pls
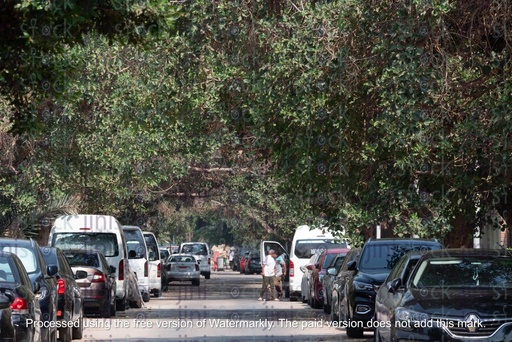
(265, 246)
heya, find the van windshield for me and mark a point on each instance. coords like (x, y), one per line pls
(195, 248)
(136, 244)
(106, 243)
(305, 249)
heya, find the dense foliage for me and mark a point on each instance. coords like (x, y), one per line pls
(255, 116)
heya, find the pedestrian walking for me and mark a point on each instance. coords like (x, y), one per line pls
(268, 271)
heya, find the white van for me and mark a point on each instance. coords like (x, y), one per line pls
(96, 232)
(155, 264)
(306, 242)
(138, 258)
(201, 252)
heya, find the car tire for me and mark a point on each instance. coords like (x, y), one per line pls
(157, 293)
(196, 282)
(77, 332)
(207, 275)
(146, 297)
(113, 308)
(105, 311)
(354, 332)
(121, 304)
(327, 309)
(65, 334)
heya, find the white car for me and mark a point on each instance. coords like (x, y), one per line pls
(155, 264)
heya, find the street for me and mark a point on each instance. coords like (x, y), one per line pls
(223, 308)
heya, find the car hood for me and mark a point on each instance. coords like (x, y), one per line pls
(458, 302)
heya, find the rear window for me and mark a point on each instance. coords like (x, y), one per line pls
(304, 249)
(106, 243)
(27, 257)
(136, 243)
(79, 259)
(377, 258)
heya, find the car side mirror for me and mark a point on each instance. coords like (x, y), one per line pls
(112, 269)
(5, 302)
(52, 270)
(331, 271)
(80, 274)
(394, 285)
(351, 265)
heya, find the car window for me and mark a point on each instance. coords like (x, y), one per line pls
(304, 249)
(381, 257)
(328, 260)
(27, 256)
(196, 249)
(182, 259)
(153, 250)
(82, 259)
(135, 242)
(106, 243)
(6, 271)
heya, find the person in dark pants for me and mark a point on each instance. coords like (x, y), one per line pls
(268, 271)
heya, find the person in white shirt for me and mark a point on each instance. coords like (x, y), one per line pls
(268, 271)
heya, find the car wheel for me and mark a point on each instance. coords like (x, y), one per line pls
(65, 334)
(105, 311)
(327, 309)
(207, 275)
(77, 332)
(354, 332)
(146, 297)
(121, 304)
(334, 312)
(113, 308)
(157, 293)
(196, 282)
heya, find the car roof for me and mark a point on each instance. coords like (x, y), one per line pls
(462, 252)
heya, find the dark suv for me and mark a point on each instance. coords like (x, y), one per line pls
(69, 298)
(375, 262)
(42, 277)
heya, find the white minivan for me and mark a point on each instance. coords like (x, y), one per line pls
(201, 253)
(155, 264)
(97, 232)
(138, 258)
(306, 242)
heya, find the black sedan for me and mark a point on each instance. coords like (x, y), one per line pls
(69, 297)
(18, 303)
(253, 264)
(449, 295)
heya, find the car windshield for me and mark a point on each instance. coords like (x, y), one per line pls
(304, 249)
(464, 272)
(197, 249)
(328, 260)
(106, 243)
(27, 256)
(381, 258)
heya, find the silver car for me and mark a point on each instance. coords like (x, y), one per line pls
(183, 267)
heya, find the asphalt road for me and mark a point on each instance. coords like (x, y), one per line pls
(223, 308)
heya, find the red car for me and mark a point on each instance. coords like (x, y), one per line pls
(318, 271)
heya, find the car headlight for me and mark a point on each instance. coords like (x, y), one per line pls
(362, 286)
(409, 319)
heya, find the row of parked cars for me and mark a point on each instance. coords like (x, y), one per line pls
(414, 290)
(91, 265)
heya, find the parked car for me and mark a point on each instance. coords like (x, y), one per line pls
(201, 252)
(69, 296)
(96, 279)
(450, 295)
(318, 273)
(377, 259)
(138, 258)
(18, 303)
(245, 257)
(328, 280)
(339, 281)
(155, 264)
(164, 259)
(101, 232)
(253, 264)
(306, 271)
(183, 267)
(42, 277)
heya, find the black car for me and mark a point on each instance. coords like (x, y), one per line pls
(42, 277)
(96, 280)
(18, 303)
(253, 264)
(328, 280)
(339, 281)
(377, 259)
(69, 302)
(450, 295)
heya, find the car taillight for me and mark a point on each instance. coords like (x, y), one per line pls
(121, 270)
(19, 305)
(61, 286)
(292, 269)
(146, 269)
(98, 277)
(158, 270)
